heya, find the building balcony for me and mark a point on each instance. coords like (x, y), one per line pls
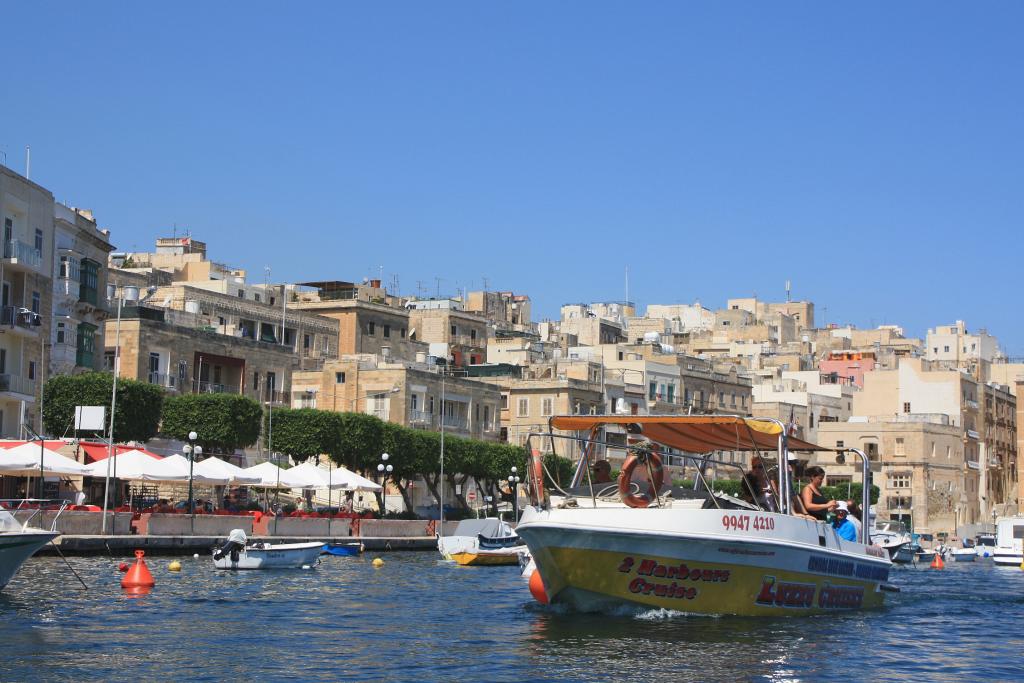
(64, 353)
(67, 288)
(971, 434)
(20, 320)
(491, 427)
(455, 422)
(13, 384)
(166, 381)
(214, 388)
(421, 418)
(973, 405)
(21, 254)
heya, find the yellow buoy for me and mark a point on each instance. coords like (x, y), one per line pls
(377, 562)
(174, 566)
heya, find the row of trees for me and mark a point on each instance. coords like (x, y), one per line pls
(226, 422)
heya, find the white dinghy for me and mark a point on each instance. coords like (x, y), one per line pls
(238, 554)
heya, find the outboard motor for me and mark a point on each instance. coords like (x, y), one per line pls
(236, 542)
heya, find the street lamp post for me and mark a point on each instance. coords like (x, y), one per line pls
(513, 483)
(385, 468)
(126, 294)
(193, 451)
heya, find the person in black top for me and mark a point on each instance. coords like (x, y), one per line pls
(814, 502)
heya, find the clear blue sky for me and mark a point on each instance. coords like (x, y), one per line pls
(871, 153)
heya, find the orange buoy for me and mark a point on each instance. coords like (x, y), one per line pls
(937, 563)
(537, 588)
(138, 575)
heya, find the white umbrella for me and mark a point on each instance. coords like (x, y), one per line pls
(178, 466)
(215, 467)
(347, 479)
(24, 461)
(133, 465)
(272, 476)
(314, 477)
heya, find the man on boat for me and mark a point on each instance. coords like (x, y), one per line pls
(842, 524)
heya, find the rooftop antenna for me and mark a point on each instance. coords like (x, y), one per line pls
(627, 283)
(420, 289)
(28, 162)
(437, 281)
(486, 282)
(788, 292)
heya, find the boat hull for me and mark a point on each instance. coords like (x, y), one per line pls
(284, 556)
(490, 558)
(965, 555)
(1007, 558)
(343, 549)
(684, 567)
(16, 547)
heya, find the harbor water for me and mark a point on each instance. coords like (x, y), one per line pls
(420, 619)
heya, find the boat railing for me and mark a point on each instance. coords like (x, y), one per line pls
(24, 510)
(700, 481)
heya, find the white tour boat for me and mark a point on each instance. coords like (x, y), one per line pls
(724, 556)
(18, 540)
(1009, 537)
(238, 554)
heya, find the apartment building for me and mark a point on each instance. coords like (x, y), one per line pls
(955, 347)
(804, 399)
(26, 297)
(162, 346)
(507, 311)
(998, 449)
(79, 292)
(918, 463)
(369, 320)
(456, 335)
(683, 318)
(848, 365)
(414, 394)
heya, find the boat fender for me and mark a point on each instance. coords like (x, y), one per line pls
(235, 543)
(649, 455)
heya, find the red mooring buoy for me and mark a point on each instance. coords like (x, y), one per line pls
(138, 575)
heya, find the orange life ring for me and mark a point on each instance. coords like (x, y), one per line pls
(625, 476)
(536, 478)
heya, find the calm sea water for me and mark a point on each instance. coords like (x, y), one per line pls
(421, 619)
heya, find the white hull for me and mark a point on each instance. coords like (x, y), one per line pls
(706, 561)
(1007, 558)
(18, 546)
(466, 538)
(282, 556)
(965, 555)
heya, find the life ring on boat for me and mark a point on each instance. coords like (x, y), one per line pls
(651, 456)
(536, 478)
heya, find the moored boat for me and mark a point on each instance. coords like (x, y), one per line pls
(1009, 540)
(724, 557)
(238, 554)
(18, 540)
(488, 557)
(468, 534)
(964, 554)
(342, 549)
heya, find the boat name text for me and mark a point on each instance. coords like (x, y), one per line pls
(675, 589)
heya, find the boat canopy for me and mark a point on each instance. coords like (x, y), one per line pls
(695, 433)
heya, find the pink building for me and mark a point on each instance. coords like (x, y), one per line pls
(848, 366)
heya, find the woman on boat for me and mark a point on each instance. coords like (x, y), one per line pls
(816, 504)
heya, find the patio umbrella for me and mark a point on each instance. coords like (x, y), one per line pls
(216, 467)
(272, 477)
(29, 460)
(178, 466)
(134, 466)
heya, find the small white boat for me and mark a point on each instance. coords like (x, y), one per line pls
(19, 541)
(985, 545)
(965, 554)
(1008, 550)
(237, 554)
(466, 539)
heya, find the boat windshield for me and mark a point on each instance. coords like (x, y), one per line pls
(7, 522)
(893, 526)
(987, 540)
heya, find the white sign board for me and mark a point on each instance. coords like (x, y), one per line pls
(90, 418)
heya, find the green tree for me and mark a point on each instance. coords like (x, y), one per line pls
(137, 413)
(302, 433)
(360, 441)
(224, 422)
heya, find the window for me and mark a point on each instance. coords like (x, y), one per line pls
(69, 268)
(504, 401)
(256, 297)
(547, 407)
(62, 333)
(652, 392)
(86, 345)
(402, 331)
(339, 378)
(272, 301)
(387, 331)
(900, 480)
(871, 450)
(414, 402)
(733, 404)
(35, 302)
(487, 415)
(306, 341)
(256, 381)
(89, 285)
(454, 330)
(371, 328)
(901, 447)
(241, 294)
(523, 408)
(430, 408)
(472, 335)
(721, 398)
(946, 349)
(39, 241)
(31, 369)
(810, 420)
(906, 407)
(840, 444)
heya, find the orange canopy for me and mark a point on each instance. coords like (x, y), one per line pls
(695, 433)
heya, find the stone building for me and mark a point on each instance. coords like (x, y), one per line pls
(509, 312)
(918, 463)
(413, 394)
(456, 335)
